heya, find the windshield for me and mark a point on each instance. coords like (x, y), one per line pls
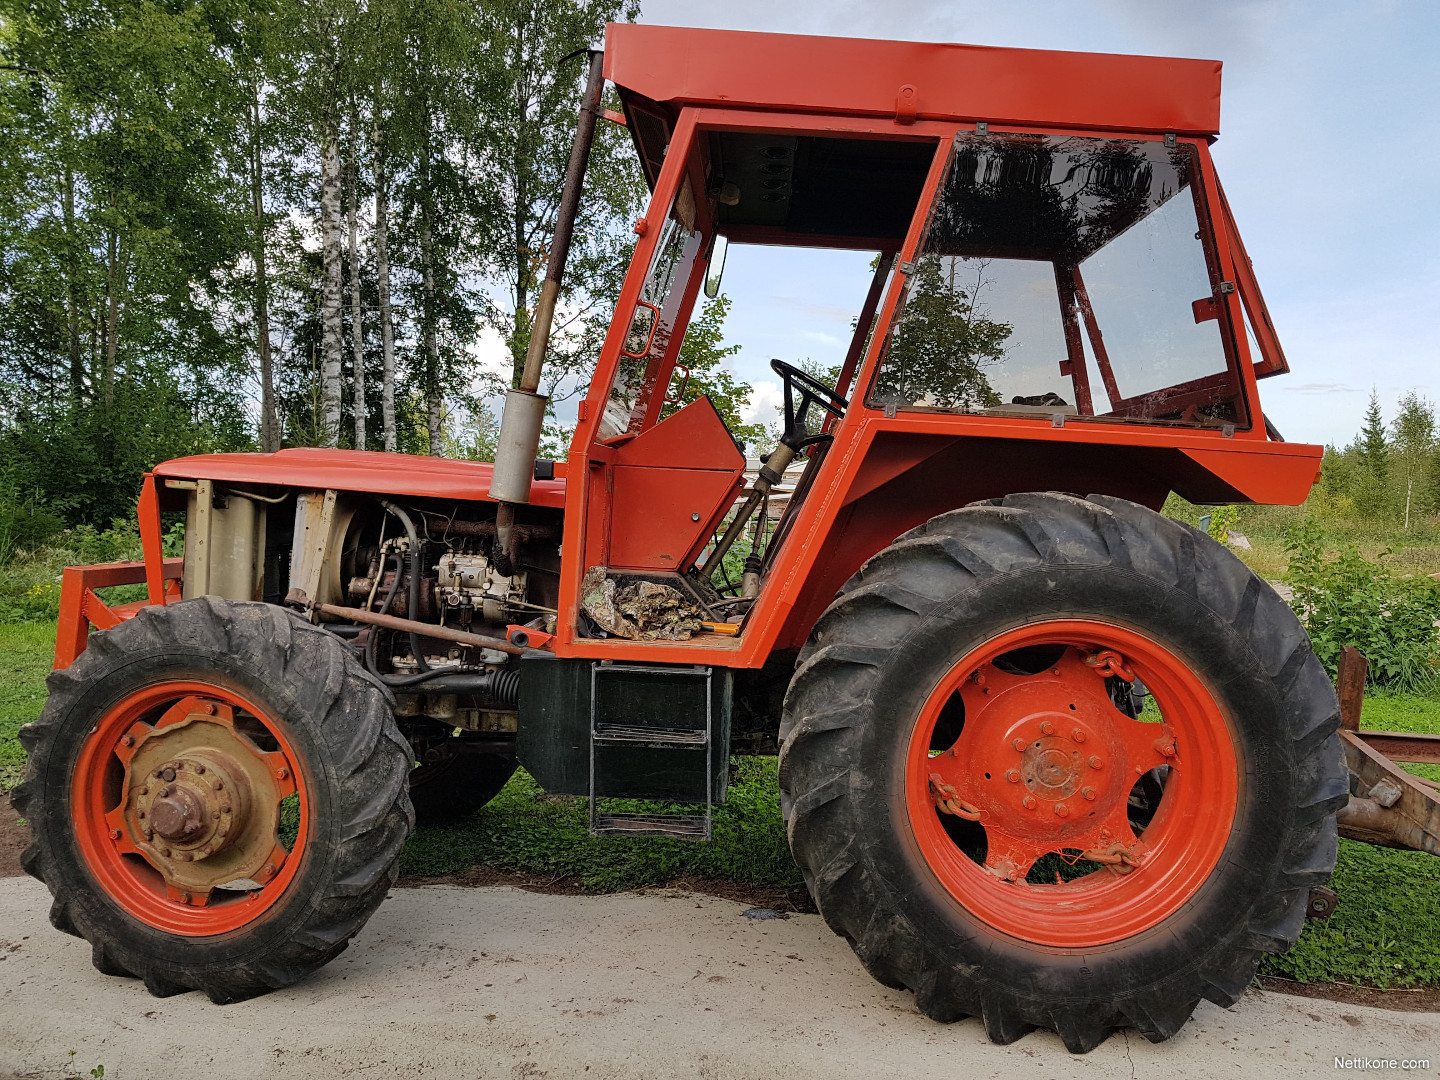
(1064, 275)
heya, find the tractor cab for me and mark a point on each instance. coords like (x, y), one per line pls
(1058, 291)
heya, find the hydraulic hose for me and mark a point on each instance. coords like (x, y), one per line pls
(415, 560)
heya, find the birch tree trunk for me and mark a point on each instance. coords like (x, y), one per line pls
(357, 311)
(332, 330)
(112, 319)
(382, 282)
(433, 403)
(72, 292)
(269, 420)
(432, 351)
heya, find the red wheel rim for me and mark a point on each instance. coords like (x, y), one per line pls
(178, 786)
(1045, 764)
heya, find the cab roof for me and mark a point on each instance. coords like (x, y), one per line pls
(677, 66)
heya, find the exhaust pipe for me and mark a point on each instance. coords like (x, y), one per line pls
(524, 413)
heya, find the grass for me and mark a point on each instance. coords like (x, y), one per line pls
(26, 652)
(1382, 933)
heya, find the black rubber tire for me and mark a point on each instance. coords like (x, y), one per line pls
(338, 720)
(942, 590)
(451, 790)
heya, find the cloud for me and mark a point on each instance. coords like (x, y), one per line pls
(824, 339)
(766, 400)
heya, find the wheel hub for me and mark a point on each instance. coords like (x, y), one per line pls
(201, 801)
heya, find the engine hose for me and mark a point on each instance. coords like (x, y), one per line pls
(372, 642)
(414, 611)
(502, 686)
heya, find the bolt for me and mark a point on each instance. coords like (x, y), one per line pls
(149, 834)
(1019, 745)
(168, 775)
(1028, 802)
(1013, 775)
(694, 517)
(1047, 728)
(140, 814)
(219, 785)
(225, 809)
(199, 769)
(215, 815)
(207, 708)
(127, 740)
(1089, 794)
(1077, 735)
(268, 870)
(145, 790)
(164, 852)
(114, 834)
(1061, 810)
(1095, 762)
(282, 773)
(223, 831)
(156, 774)
(184, 856)
(184, 897)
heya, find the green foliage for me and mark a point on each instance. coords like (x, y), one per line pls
(525, 829)
(704, 353)
(26, 651)
(944, 342)
(1222, 520)
(1345, 599)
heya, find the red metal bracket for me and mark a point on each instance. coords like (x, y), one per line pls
(82, 608)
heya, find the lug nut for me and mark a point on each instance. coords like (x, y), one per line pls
(199, 769)
(1019, 745)
(1047, 728)
(156, 774)
(1061, 810)
(268, 870)
(1095, 762)
(127, 740)
(149, 834)
(168, 775)
(1088, 793)
(219, 785)
(1077, 735)
(1013, 775)
(282, 773)
(184, 897)
(1028, 802)
(114, 834)
(208, 708)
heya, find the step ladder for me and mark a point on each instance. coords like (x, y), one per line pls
(606, 732)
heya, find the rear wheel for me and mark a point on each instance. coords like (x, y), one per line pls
(980, 807)
(217, 798)
(455, 775)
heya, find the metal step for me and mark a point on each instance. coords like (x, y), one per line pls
(654, 736)
(602, 733)
(677, 826)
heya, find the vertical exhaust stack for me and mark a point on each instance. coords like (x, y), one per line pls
(524, 413)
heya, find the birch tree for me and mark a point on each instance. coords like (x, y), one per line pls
(357, 310)
(382, 285)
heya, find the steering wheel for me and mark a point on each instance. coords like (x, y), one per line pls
(812, 392)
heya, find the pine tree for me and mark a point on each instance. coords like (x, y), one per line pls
(1371, 495)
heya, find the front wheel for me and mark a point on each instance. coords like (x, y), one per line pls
(217, 794)
(1061, 763)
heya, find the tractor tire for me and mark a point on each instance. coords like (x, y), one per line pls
(934, 781)
(453, 788)
(169, 767)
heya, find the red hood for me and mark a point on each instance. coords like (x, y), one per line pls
(359, 470)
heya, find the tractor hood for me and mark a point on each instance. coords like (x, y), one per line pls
(358, 470)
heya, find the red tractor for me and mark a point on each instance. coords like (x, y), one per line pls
(1047, 757)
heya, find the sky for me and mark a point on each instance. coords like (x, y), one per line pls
(1346, 245)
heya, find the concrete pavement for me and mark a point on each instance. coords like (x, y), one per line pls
(499, 982)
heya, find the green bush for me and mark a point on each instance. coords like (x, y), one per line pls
(1345, 599)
